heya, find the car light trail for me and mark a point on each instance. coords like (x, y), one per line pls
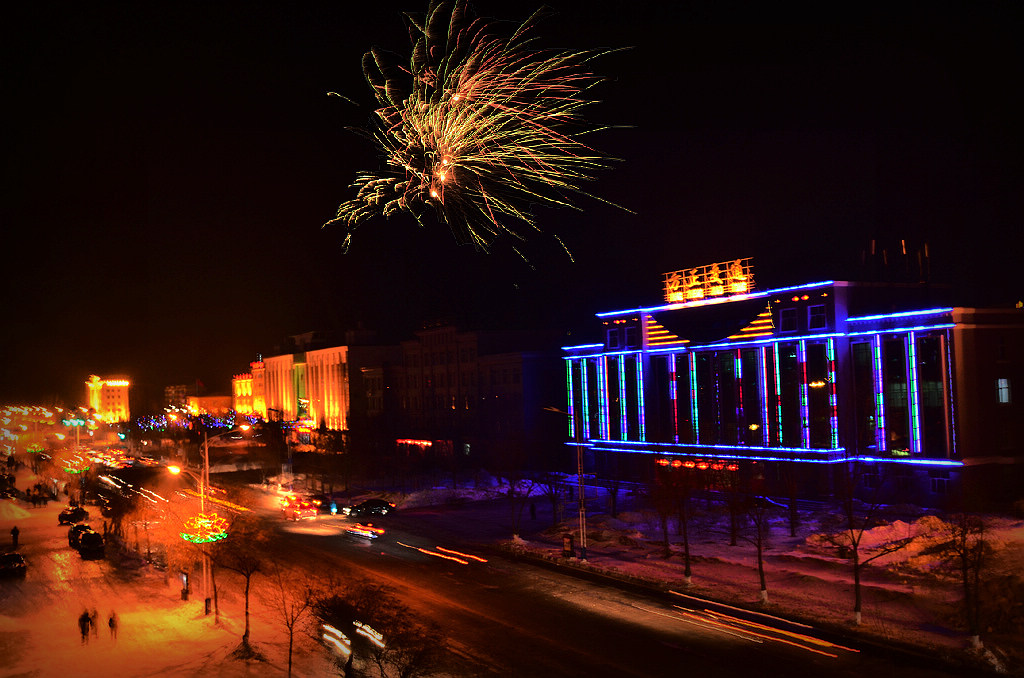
(337, 639)
(460, 553)
(435, 554)
(735, 629)
(367, 631)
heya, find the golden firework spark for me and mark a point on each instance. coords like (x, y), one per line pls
(478, 129)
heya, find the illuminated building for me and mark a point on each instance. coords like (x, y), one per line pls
(217, 406)
(248, 391)
(800, 379)
(108, 398)
(317, 382)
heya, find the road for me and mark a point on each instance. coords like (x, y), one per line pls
(501, 617)
(514, 619)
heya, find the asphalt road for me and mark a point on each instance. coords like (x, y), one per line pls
(514, 619)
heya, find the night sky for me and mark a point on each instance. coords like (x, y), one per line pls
(168, 167)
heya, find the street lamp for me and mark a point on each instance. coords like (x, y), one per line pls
(204, 483)
(581, 493)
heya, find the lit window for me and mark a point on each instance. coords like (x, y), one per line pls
(816, 317)
(1003, 388)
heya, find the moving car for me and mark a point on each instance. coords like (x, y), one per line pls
(91, 545)
(72, 514)
(295, 508)
(370, 507)
(13, 565)
(368, 530)
(76, 532)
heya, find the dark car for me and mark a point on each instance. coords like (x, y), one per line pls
(76, 532)
(325, 504)
(13, 565)
(370, 507)
(72, 514)
(91, 545)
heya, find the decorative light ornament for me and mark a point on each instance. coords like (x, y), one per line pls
(204, 528)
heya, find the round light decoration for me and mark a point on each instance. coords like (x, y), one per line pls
(76, 463)
(205, 527)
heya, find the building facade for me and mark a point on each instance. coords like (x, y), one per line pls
(801, 379)
(108, 398)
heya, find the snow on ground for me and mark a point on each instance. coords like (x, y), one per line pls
(161, 635)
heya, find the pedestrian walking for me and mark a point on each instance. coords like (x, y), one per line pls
(14, 535)
(94, 623)
(112, 625)
(83, 626)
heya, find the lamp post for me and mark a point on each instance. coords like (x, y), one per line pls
(581, 491)
(204, 483)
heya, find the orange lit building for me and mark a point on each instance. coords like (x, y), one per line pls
(108, 398)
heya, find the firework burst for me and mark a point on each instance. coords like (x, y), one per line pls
(477, 130)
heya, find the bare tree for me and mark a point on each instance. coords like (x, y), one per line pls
(757, 531)
(242, 553)
(293, 603)
(854, 520)
(966, 550)
(552, 487)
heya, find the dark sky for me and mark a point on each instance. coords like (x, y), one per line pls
(168, 167)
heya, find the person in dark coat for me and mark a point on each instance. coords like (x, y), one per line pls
(14, 535)
(83, 626)
(94, 622)
(112, 625)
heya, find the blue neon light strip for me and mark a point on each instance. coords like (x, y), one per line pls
(572, 399)
(833, 400)
(738, 386)
(762, 367)
(949, 389)
(778, 393)
(601, 444)
(880, 441)
(805, 410)
(640, 397)
(919, 328)
(581, 346)
(586, 397)
(912, 387)
(904, 314)
(693, 397)
(714, 300)
(623, 405)
(714, 452)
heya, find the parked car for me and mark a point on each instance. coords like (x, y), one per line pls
(370, 507)
(13, 565)
(72, 514)
(91, 545)
(76, 532)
